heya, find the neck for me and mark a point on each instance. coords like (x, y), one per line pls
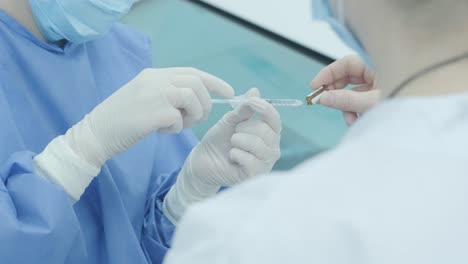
(411, 43)
(21, 11)
(443, 79)
(396, 66)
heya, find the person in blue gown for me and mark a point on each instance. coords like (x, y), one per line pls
(91, 167)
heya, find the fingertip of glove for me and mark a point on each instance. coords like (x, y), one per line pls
(326, 98)
(253, 92)
(258, 104)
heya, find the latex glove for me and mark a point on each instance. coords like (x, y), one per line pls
(237, 148)
(348, 70)
(164, 100)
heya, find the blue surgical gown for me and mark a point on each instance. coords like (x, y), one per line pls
(44, 90)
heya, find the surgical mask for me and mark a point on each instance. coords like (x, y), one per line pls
(77, 21)
(323, 11)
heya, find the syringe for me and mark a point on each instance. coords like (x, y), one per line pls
(237, 101)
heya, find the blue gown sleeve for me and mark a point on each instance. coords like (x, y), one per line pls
(157, 229)
(172, 150)
(38, 224)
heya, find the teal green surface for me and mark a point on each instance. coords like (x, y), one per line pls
(185, 34)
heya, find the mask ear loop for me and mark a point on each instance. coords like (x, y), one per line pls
(341, 12)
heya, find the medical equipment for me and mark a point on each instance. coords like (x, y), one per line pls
(311, 99)
(314, 97)
(237, 101)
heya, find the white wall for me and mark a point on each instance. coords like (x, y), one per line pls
(289, 18)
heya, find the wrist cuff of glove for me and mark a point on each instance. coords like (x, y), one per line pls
(62, 166)
(187, 190)
(82, 140)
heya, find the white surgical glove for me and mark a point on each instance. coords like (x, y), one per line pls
(337, 76)
(238, 147)
(164, 100)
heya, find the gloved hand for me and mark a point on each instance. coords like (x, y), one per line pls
(237, 148)
(165, 100)
(348, 70)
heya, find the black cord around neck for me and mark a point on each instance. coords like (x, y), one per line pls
(426, 71)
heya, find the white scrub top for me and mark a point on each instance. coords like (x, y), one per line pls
(394, 191)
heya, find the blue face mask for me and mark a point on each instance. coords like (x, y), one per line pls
(77, 21)
(322, 11)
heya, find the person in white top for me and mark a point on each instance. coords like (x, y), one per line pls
(395, 190)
